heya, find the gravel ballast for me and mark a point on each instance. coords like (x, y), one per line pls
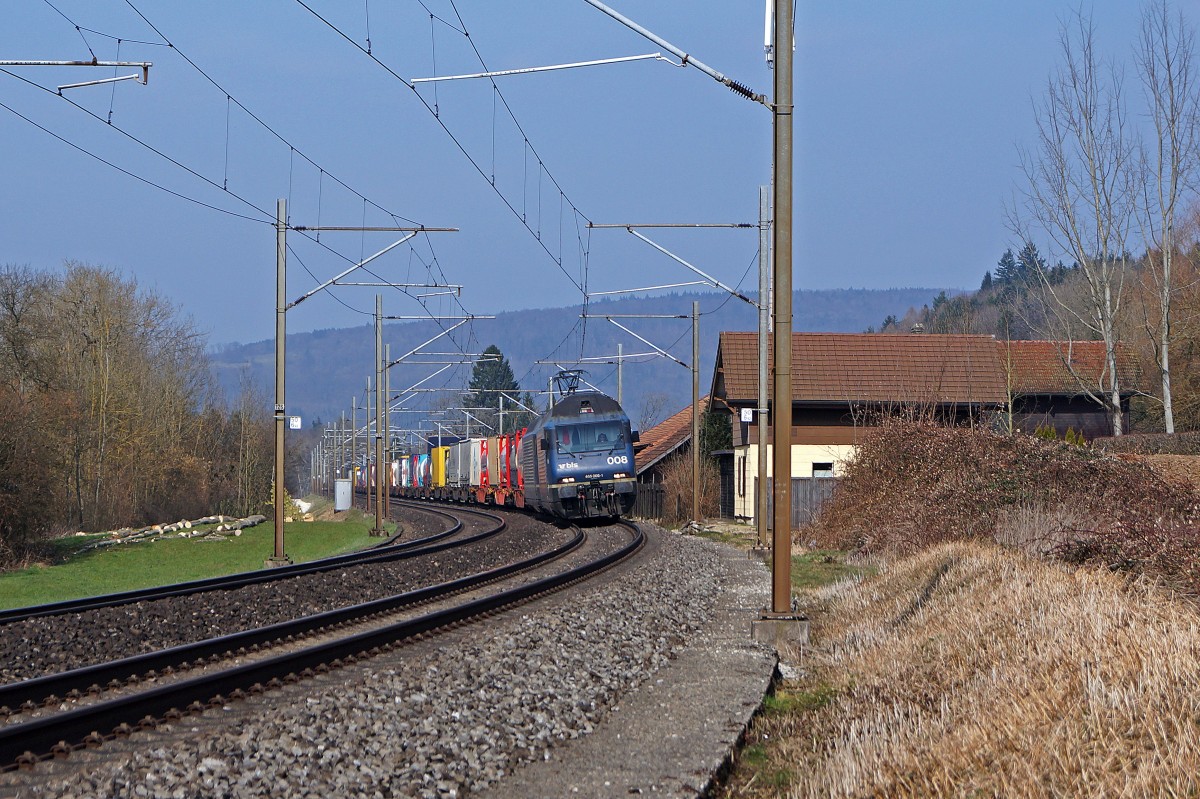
(459, 713)
(50, 644)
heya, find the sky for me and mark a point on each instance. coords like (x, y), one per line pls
(909, 119)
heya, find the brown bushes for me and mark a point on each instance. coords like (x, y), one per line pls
(677, 484)
(1152, 444)
(914, 485)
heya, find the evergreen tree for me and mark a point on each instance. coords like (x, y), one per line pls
(1030, 263)
(491, 375)
(1006, 269)
(987, 281)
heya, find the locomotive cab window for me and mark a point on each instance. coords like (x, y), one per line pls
(597, 437)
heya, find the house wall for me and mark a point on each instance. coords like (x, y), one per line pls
(745, 469)
(810, 426)
(1079, 413)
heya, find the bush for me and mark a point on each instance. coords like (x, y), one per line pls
(913, 485)
(290, 508)
(1151, 443)
(677, 482)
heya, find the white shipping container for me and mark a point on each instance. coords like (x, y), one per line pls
(475, 472)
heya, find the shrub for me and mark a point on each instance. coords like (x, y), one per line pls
(1046, 432)
(677, 482)
(1151, 443)
(913, 485)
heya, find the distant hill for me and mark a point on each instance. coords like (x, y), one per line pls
(326, 368)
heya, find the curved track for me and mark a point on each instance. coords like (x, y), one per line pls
(26, 742)
(390, 549)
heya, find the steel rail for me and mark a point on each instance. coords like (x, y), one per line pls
(24, 744)
(382, 552)
(50, 688)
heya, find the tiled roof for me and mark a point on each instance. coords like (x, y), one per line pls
(872, 367)
(1041, 367)
(665, 437)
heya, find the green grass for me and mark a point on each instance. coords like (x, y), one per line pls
(785, 702)
(124, 567)
(822, 567)
(809, 570)
(744, 540)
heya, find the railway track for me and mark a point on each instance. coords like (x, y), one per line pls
(389, 549)
(345, 635)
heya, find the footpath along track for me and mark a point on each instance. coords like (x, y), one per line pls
(24, 743)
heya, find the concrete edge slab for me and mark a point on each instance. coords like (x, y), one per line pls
(677, 733)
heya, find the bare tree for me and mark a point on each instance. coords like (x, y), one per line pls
(652, 408)
(1080, 193)
(1168, 165)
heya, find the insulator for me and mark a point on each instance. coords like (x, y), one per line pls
(741, 89)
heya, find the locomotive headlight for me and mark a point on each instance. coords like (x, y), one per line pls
(568, 479)
(619, 474)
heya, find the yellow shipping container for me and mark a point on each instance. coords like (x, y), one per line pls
(437, 460)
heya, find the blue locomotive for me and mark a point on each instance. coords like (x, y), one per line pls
(576, 461)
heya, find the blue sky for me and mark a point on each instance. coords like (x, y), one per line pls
(909, 116)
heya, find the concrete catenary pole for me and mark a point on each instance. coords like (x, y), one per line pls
(387, 421)
(368, 495)
(353, 447)
(764, 323)
(696, 413)
(781, 414)
(378, 529)
(279, 558)
(620, 376)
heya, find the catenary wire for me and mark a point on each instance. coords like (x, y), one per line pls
(124, 171)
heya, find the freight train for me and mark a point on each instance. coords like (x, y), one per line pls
(575, 462)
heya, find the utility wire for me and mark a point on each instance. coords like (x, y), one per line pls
(257, 118)
(266, 214)
(78, 30)
(292, 148)
(579, 284)
(458, 143)
(223, 186)
(124, 171)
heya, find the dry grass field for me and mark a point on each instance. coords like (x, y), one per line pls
(971, 669)
(1033, 628)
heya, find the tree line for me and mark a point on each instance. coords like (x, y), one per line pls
(109, 414)
(1111, 188)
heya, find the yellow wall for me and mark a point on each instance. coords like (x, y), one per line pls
(803, 458)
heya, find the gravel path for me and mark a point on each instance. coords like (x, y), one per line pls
(444, 717)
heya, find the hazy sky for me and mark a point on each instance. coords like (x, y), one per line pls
(909, 116)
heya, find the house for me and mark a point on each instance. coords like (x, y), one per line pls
(1054, 384)
(844, 383)
(672, 435)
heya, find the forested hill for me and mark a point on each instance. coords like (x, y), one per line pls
(327, 368)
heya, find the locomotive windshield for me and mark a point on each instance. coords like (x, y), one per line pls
(595, 437)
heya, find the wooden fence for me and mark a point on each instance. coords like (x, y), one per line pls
(809, 494)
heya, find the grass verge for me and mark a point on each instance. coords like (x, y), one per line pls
(971, 669)
(810, 568)
(72, 574)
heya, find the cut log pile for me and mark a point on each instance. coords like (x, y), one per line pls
(196, 528)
